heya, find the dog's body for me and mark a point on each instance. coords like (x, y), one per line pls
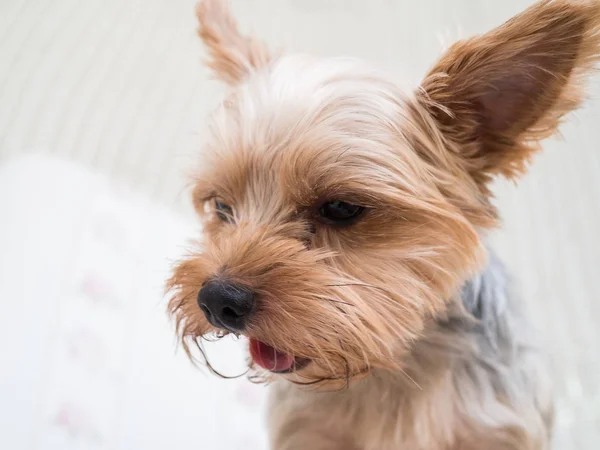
(481, 386)
(344, 228)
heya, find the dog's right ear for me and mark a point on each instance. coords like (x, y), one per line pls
(232, 56)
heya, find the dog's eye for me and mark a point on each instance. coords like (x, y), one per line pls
(338, 211)
(224, 212)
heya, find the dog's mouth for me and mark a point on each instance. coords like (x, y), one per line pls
(274, 360)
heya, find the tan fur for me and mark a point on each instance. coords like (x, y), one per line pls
(233, 55)
(497, 95)
(365, 303)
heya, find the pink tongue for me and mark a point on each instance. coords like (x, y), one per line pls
(268, 358)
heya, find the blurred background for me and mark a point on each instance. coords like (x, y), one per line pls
(102, 112)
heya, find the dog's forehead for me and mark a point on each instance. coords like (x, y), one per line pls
(296, 94)
(302, 118)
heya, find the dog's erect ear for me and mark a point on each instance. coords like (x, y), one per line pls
(232, 56)
(496, 95)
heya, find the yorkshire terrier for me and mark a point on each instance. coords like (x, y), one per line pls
(345, 223)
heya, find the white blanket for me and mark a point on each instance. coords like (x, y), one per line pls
(89, 358)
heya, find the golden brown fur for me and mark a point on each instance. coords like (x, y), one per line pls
(373, 305)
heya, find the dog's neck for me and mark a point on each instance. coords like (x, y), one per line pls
(477, 352)
(480, 325)
(485, 307)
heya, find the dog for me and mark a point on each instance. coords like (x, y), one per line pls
(344, 234)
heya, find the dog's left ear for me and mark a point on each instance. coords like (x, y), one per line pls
(496, 95)
(232, 56)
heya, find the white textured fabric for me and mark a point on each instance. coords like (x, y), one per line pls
(89, 359)
(118, 85)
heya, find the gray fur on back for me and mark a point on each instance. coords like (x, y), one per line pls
(489, 337)
(486, 298)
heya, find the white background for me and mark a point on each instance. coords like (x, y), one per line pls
(118, 87)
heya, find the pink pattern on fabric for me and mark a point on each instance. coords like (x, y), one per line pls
(76, 422)
(87, 348)
(99, 290)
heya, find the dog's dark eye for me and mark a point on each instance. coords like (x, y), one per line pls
(338, 211)
(224, 212)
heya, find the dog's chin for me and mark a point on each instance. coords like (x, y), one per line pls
(273, 360)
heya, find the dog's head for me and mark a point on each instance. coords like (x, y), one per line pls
(341, 213)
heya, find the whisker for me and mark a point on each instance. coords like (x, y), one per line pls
(362, 285)
(338, 301)
(347, 377)
(204, 359)
(410, 378)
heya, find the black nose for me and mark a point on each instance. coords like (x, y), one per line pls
(226, 305)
